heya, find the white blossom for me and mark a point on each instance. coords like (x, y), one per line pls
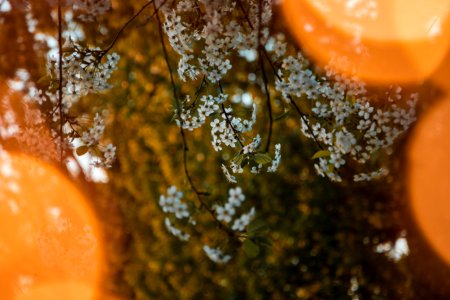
(241, 223)
(175, 231)
(216, 255)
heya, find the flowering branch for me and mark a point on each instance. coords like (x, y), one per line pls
(291, 100)
(227, 118)
(199, 194)
(261, 49)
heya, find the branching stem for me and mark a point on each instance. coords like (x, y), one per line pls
(183, 135)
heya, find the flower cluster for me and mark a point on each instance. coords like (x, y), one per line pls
(175, 231)
(216, 255)
(344, 119)
(226, 212)
(92, 136)
(226, 128)
(172, 204)
(209, 105)
(84, 71)
(250, 155)
(219, 35)
(89, 9)
(108, 155)
(372, 175)
(276, 161)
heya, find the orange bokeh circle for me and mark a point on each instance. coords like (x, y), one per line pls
(49, 235)
(379, 41)
(428, 177)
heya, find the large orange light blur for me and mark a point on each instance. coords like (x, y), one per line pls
(429, 178)
(383, 41)
(50, 241)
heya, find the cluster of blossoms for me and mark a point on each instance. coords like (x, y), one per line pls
(343, 119)
(276, 161)
(84, 71)
(226, 212)
(88, 10)
(209, 105)
(93, 135)
(249, 155)
(172, 204)
(219, 34)
(226, 128)
(216, 255)
(347, 125)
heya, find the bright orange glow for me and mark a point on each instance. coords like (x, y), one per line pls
(383, 41)
(50, 241)
(441, 77)
(429, 180)
(67, 290)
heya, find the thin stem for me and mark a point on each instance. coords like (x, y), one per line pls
(297, 108)
(123, 27)
(236, 134)
(183, 135)
(264, 76)
(241, 6)
(197, 93)
(291, 100)
(61, 117)
(269, 103)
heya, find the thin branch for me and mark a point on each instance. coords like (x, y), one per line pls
(236, 134)
(61, 117)
(264, 76)
(123, 27)
(183, 135)
(241, 6)
(197, 92)
(297, 108)
(269, 103)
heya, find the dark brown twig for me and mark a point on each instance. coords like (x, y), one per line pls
(235, 132)
(60, 69)
(264, 76)
(116, 37)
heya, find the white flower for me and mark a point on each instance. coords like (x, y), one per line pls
(227, 174)
(276, 161)
(172, 203)
(344, 141)
(225, 213)
(236, 197)
(216, 255)
(175, 231)
(241, 223)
